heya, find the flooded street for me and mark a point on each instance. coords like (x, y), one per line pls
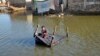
(16, 35)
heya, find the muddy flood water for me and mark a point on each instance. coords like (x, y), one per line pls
(16, 35)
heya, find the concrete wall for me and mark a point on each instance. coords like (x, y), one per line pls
(84, 5)
(29, 4)
(21, 3)
(18, 3)
(65, 2)
(55, 3)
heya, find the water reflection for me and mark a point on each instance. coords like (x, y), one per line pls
(16, 35)
(5, 23)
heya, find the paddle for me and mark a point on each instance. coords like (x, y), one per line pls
(53, 42)
(36, 30)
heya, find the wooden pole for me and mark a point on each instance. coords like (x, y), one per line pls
(54, 30)
(85, 1)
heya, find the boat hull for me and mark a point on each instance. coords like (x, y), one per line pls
(42, 41)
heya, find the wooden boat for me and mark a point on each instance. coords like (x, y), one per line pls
(49, 41)
(43, 41)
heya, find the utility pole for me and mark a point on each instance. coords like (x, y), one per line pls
(62, 6)
(67, 5)
(85, 3)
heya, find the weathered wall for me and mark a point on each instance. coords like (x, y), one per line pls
(29, 4)
(84, 5)
(65, 2)
(20, 3)
(17, 2)
(75, 4)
